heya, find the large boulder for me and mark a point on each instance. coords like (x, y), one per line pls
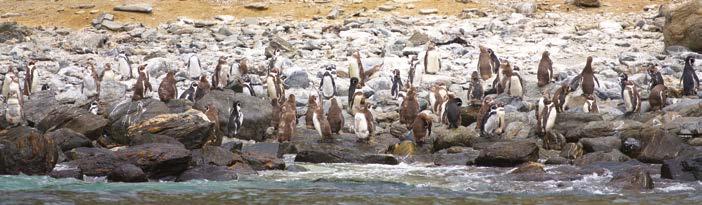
(25, 150)
(99, 165)
(683, 26)
(11, 30)
(111, 93)
(64, 170)
(191, 128)
(146, 139)
(676, 168)
(465, 157)
(263, 162)
(68, 139)
(587, 3)
(126, 114)
(208, 172)
(656, 145)
(694, 166)
(506, 154)
(127, 173)
(590, 158)
(635, 178)
(597, 129)
(604, 144)
(85, 42)
(257, 112)
(85, 152)
(213, 155)
(571, 121)
(446, 138)
(39, 104)
(74, 118)
(157, 159)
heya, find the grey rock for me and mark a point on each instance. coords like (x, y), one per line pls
(127, 173)
(208, 172)
(68, 139)
(134, 8)
(604, 144)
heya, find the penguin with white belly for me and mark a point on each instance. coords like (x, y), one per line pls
(432, 59)
(327, 85)
(630, 94)
(194, 67)
(124, 67)
(494, 121)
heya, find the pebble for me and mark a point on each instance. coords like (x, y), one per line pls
(10, 15)
(386, 8)
(138, 8)
(257, 6)
(428, 11)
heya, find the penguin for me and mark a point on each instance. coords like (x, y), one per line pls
(335, 116)
(275, 85)
(286, 127)
(484, 110)
(212, 114)
(453, 112)
(587, 79)
(238, 70)
(94, 108)
(203, 87)
(488, 64)
(432, 60)
(544, 101)
(124, 67)
(656, 77)
(321, 124)
(90, 86)
(327, 85)
(689, 79)
(219, 77)
(545, 70)
(409, 107)
(246, 87)
(139, 88)
(358, 99)
(311, 109)
(142, 72)
(167, 90)
(6, 82)
(353, 83)
(396, 84)
(14, 113)
(658, 97)
(194, 67)
(590, 105)
(108, 73)
(630, 94)
(548, 118)
(561, 97)
(414, 75)
(45, 87)
(364, 126)
(514, 85)
(189, 94)
(475, 92)
(437, 96)
(356, 69)
(275, 113)
(494, 121)
(421, 128)
(29, 73)
(236, 119)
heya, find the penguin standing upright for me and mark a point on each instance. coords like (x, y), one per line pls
(484, 110)
(656, 77)
(356, 69)
(108, 73)
(421, 128)
(142, 72)
(545, 71)
(29, 79)
(321, 124)
(658, 97)
(89, 85)
(562, 97)
(544, 101)
(167, 90)
(437, 96)
(409, 107)
(432, 60)
(246, 86)
(548, 118)
(94, 76)
(212, 114)
(487, 65)
(364, 125)
(8, 79)
(275, 85)
(514, 85)
(94, 108)
(14, 113)
(236, 119)
(452, 112)
(358, 99)
(475, 92)
(238, 70)
(353, 83)
(194, 67)
(414, 75)
(139, 88)
(335, 116)
(396, 84)
(690, 81)
(630, 94)
(203, 87)
(287, 125)
(494, 121)
(587, 78)
(189, 94)
(311, 109)
(327, 85)
(590, 105)
(124, 67)
(220, 78)
(276, 112)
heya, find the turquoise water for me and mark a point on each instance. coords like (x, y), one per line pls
(349, 184)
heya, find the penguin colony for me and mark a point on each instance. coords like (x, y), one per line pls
(494, 77)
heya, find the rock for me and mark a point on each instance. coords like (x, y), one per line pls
(148, 138)
(379, 159)
(656, 145)
(597, 129)
(570, 121)
(612, 156)
(572, 151)
(462, 136)
(74, 118)
(553, 141)
(386, 7)
(11, 30)
(694, 166)
(444, 158)
(85, 42)
(529, 167)
(264, 149)
(64, 170)
(68, 139)
(525, 7)
(673, 169)
(134, 8)
(262, 162)
(297, 78)
(686, 108)
(418, 38)
(505, 154)
(695, 141)
(334, 13)
(86, 152)
(557, 160)
(127, 173)
(257, 6)
(213, 155)
(97, 165)
(257, 112)
(208, 172)
(604, 144)
(112, 26)
(243, 168)
(157, 159)
(683, 24)
(313, 156)
(10, 15)
(610, 27)
(124, 115)
(191, 128)
(428, 11)
(111, 93)
(39, 104)
(403, 149)
(587, 3)
(296, 168)
(25, 150)
(635, 178)
(277, 43)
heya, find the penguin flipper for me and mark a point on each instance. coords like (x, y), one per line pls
(596, 80)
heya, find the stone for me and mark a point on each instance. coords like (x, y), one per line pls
(111, 93)
(334, 13)
(418, 38)
(529, 167)
(461, 136)
(296, 168)
(611, 27)
(604, 144)
(64, 170)
(590, 158)
(76, 119)
(596, 129)
(587, 3)
(149, 138)
(694, 166)
(257, 112)
(86, 152)
(191, 128)
(257, 6)
(112, 26)
(379, 159)
(673, 169)
(85, 42)
(525, 7)
(557, 160)
(98, 165)
(213, 155)
(656, 145)
(428, 11)
(683, 24)
(138, 8)
(635, 178)
(208, 172)
(386, 7)
(297, 78)
(572, 151)
(313, 156)
(157, 159)
(25, 150)
(126, 114)
(127, 173)
(506, 154)
(11, 30)
(262, 162)
(695, 141)
(39, 104)
(68, 139)
(445, 158)
(263, 149)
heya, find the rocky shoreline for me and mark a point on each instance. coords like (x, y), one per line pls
(129, 140)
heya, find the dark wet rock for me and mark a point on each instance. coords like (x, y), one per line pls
(85, 152)
(469, 115)
(213, 155)
(398, 130)
(554, 141)
(296, 168)
(682, 26)
(11, 30)
(612, 156)
(191, 128)
(151, 138)
(138, 8)
(571, 121)
(446, 158)
(656, 145)
(122, 116)
(233, 146)
(693, 166)
(157, 159)
(462, 136)
(505, 154)
(39, 104)
(85, 42)
(64, 170)
(68, 139)
(25, 150)
(572, 151)
(76, 119)
(243, 168)
(604, 144)
(557, 160)
(127, 173)
(208, 172)
(529, 168)
(179, 105)
(673, 169)
(257, 112)
(587, 3)
(100, 165)
(635, 178)
(597, 129)
(263, 149)
(312, 156)
(379, 159)
(263, 162)
(686, 108)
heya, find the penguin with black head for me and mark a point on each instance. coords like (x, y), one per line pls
(475, 91)
(545, 71)
(189, 94)
(396, 84)
(690, 81)
(236, 119)
(327, 85)
(630, 94)
(452, 112)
